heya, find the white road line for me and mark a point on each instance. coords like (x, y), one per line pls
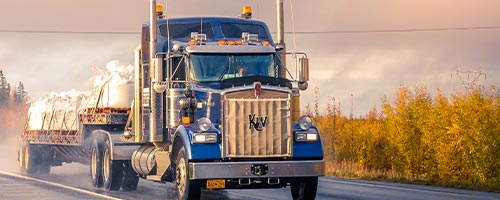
(408, 188)
(250, 196)
(59, 185)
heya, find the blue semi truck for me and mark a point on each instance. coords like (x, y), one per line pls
(212, 109)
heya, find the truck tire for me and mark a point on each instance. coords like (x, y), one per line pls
(112, 170)
(186, 189)
(20, 159)
(304, 188)
(45, 159)
(44, 167)
(130, 177)
(96, 163)
(31, 156)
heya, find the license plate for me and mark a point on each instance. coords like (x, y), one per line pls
(216, 184)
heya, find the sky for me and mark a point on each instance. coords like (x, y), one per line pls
(355, 68)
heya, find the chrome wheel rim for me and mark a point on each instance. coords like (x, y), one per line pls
(105, 165)
(93, 164)
(21, 157)
(26, 157)
(181, 176)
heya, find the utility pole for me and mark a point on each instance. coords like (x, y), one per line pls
(334, 108)
(334, 129)
(352, 105)
(352, 120)
(469, 79)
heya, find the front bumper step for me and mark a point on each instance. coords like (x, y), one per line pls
(221, 170)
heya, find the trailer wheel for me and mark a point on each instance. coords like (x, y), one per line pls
(130, 177)
(30, 159)
(304, 188)
(96, 163)
(44, 167)
(186, 189)
(112, 170)
(45, 159)
(20, 159)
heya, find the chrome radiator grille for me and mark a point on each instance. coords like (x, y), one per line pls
(254, 127)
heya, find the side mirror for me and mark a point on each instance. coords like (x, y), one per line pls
(303, 73)
(158, 84)
(303, 85)
(304, 69)
(279, 47)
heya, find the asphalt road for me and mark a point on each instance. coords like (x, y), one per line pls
(76, 176)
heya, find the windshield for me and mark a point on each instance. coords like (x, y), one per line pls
(218, 67)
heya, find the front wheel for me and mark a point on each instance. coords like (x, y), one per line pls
(186, 189)
(304, 188)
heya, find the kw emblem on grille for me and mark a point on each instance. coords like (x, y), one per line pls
(258, 123)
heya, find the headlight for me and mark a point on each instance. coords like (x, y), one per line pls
(305, 123)
(204, 138)
(204, 124)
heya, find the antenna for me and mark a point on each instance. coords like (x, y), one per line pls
(280, 29)
(469, 79)
(201, 24)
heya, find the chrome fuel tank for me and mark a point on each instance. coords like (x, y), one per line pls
(173, 107)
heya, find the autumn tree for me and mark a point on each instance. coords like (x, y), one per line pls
(20, 95)
(4, 90)
(450, 138)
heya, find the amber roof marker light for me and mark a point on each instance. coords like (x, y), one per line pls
(159, 10)
(246, 12)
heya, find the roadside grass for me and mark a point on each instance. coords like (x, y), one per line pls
(355, 171)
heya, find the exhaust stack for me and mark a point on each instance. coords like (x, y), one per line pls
(156, 86)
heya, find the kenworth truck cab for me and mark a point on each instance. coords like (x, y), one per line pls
(225, 113)
(213, 108)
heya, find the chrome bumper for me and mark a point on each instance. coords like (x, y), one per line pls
(295, 168)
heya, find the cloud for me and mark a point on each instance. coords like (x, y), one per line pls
(368, 65)
(57, 63)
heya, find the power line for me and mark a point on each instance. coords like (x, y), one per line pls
(69, 32)
(400, 30)
(472, 28)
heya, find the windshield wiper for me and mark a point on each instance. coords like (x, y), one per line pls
(223, 73)
(230, 60)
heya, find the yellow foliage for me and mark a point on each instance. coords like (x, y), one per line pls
(439, 138)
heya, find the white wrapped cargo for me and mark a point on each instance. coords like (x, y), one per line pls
(117, 93)
(59, 111)
(117, 85)
(56, 112)
(35, 114)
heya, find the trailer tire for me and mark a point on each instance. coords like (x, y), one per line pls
(130, 177)
(45, 159)
(112, 170)
(96, 163)
(44, 167)
(20, 159)
(30, 155)
(304, 188)
(186, 189)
